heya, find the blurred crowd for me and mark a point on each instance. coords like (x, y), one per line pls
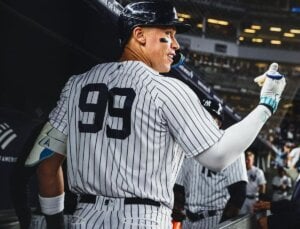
(233, 67)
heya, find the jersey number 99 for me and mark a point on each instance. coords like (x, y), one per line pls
(106, 98)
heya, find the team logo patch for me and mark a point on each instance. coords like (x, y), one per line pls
(252, 177)
(7, 135)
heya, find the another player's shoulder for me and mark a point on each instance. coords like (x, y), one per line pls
(295, 151)
(191, 164)
(257, 171)
(238, 163)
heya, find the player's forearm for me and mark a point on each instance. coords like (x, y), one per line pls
(50, 176)
(229, 212)
(236, 140)
(237, 192)
(51, 185)
(262, 189)
(51, 191)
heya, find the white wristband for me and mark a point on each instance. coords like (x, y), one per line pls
(52, 205)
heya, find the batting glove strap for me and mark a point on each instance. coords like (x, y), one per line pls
(270, 103)
(274, 75)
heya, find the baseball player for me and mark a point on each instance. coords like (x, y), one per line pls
(256, 184)
(209, 195)
(281, 185)
(118, 126)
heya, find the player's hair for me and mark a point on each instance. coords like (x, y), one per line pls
(249, 154)
(148, 14)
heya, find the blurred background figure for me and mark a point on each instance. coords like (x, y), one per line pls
(256, 185)
(284, 213)
(281, 185)
(210, 197)
(282, 155)
(294, 156)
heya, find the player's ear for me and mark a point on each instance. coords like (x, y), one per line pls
(139, 35)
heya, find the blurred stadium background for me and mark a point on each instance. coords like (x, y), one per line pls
(44, 42)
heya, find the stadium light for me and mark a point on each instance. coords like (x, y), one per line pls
(289, 34)
(296, 31)
(256, 27)
(249, 31)
(275, 42)
(199, 25)
(218, 22)
(241, 38)
(257, 40)
(275, 29)
(185, 16)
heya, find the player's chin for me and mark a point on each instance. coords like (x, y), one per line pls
(164, 68)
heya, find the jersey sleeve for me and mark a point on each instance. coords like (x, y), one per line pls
(190, 124)
(180, 177)
(275, 181)
(289, 182)
(236, 171)
(261, 177)
(58, 116)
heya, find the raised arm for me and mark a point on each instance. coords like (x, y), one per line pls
(239, 137)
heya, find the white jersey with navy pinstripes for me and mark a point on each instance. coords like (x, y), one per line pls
(123, 120)
(207, 190)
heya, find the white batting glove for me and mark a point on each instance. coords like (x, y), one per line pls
(272, 83)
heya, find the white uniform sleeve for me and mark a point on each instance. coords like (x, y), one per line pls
(236, 139)
(180, 177)
(261, 177)
(289, 182)
(294, 154)
(236, 171)
(58, 116)
(275, 181)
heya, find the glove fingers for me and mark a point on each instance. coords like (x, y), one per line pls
(273, 86)
(281, 85)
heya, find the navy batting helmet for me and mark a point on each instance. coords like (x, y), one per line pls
(214, 108)
(148, 14)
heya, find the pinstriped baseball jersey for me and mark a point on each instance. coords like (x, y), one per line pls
(123, 121)
(207, 190)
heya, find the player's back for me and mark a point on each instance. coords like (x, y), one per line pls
(118, 141)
